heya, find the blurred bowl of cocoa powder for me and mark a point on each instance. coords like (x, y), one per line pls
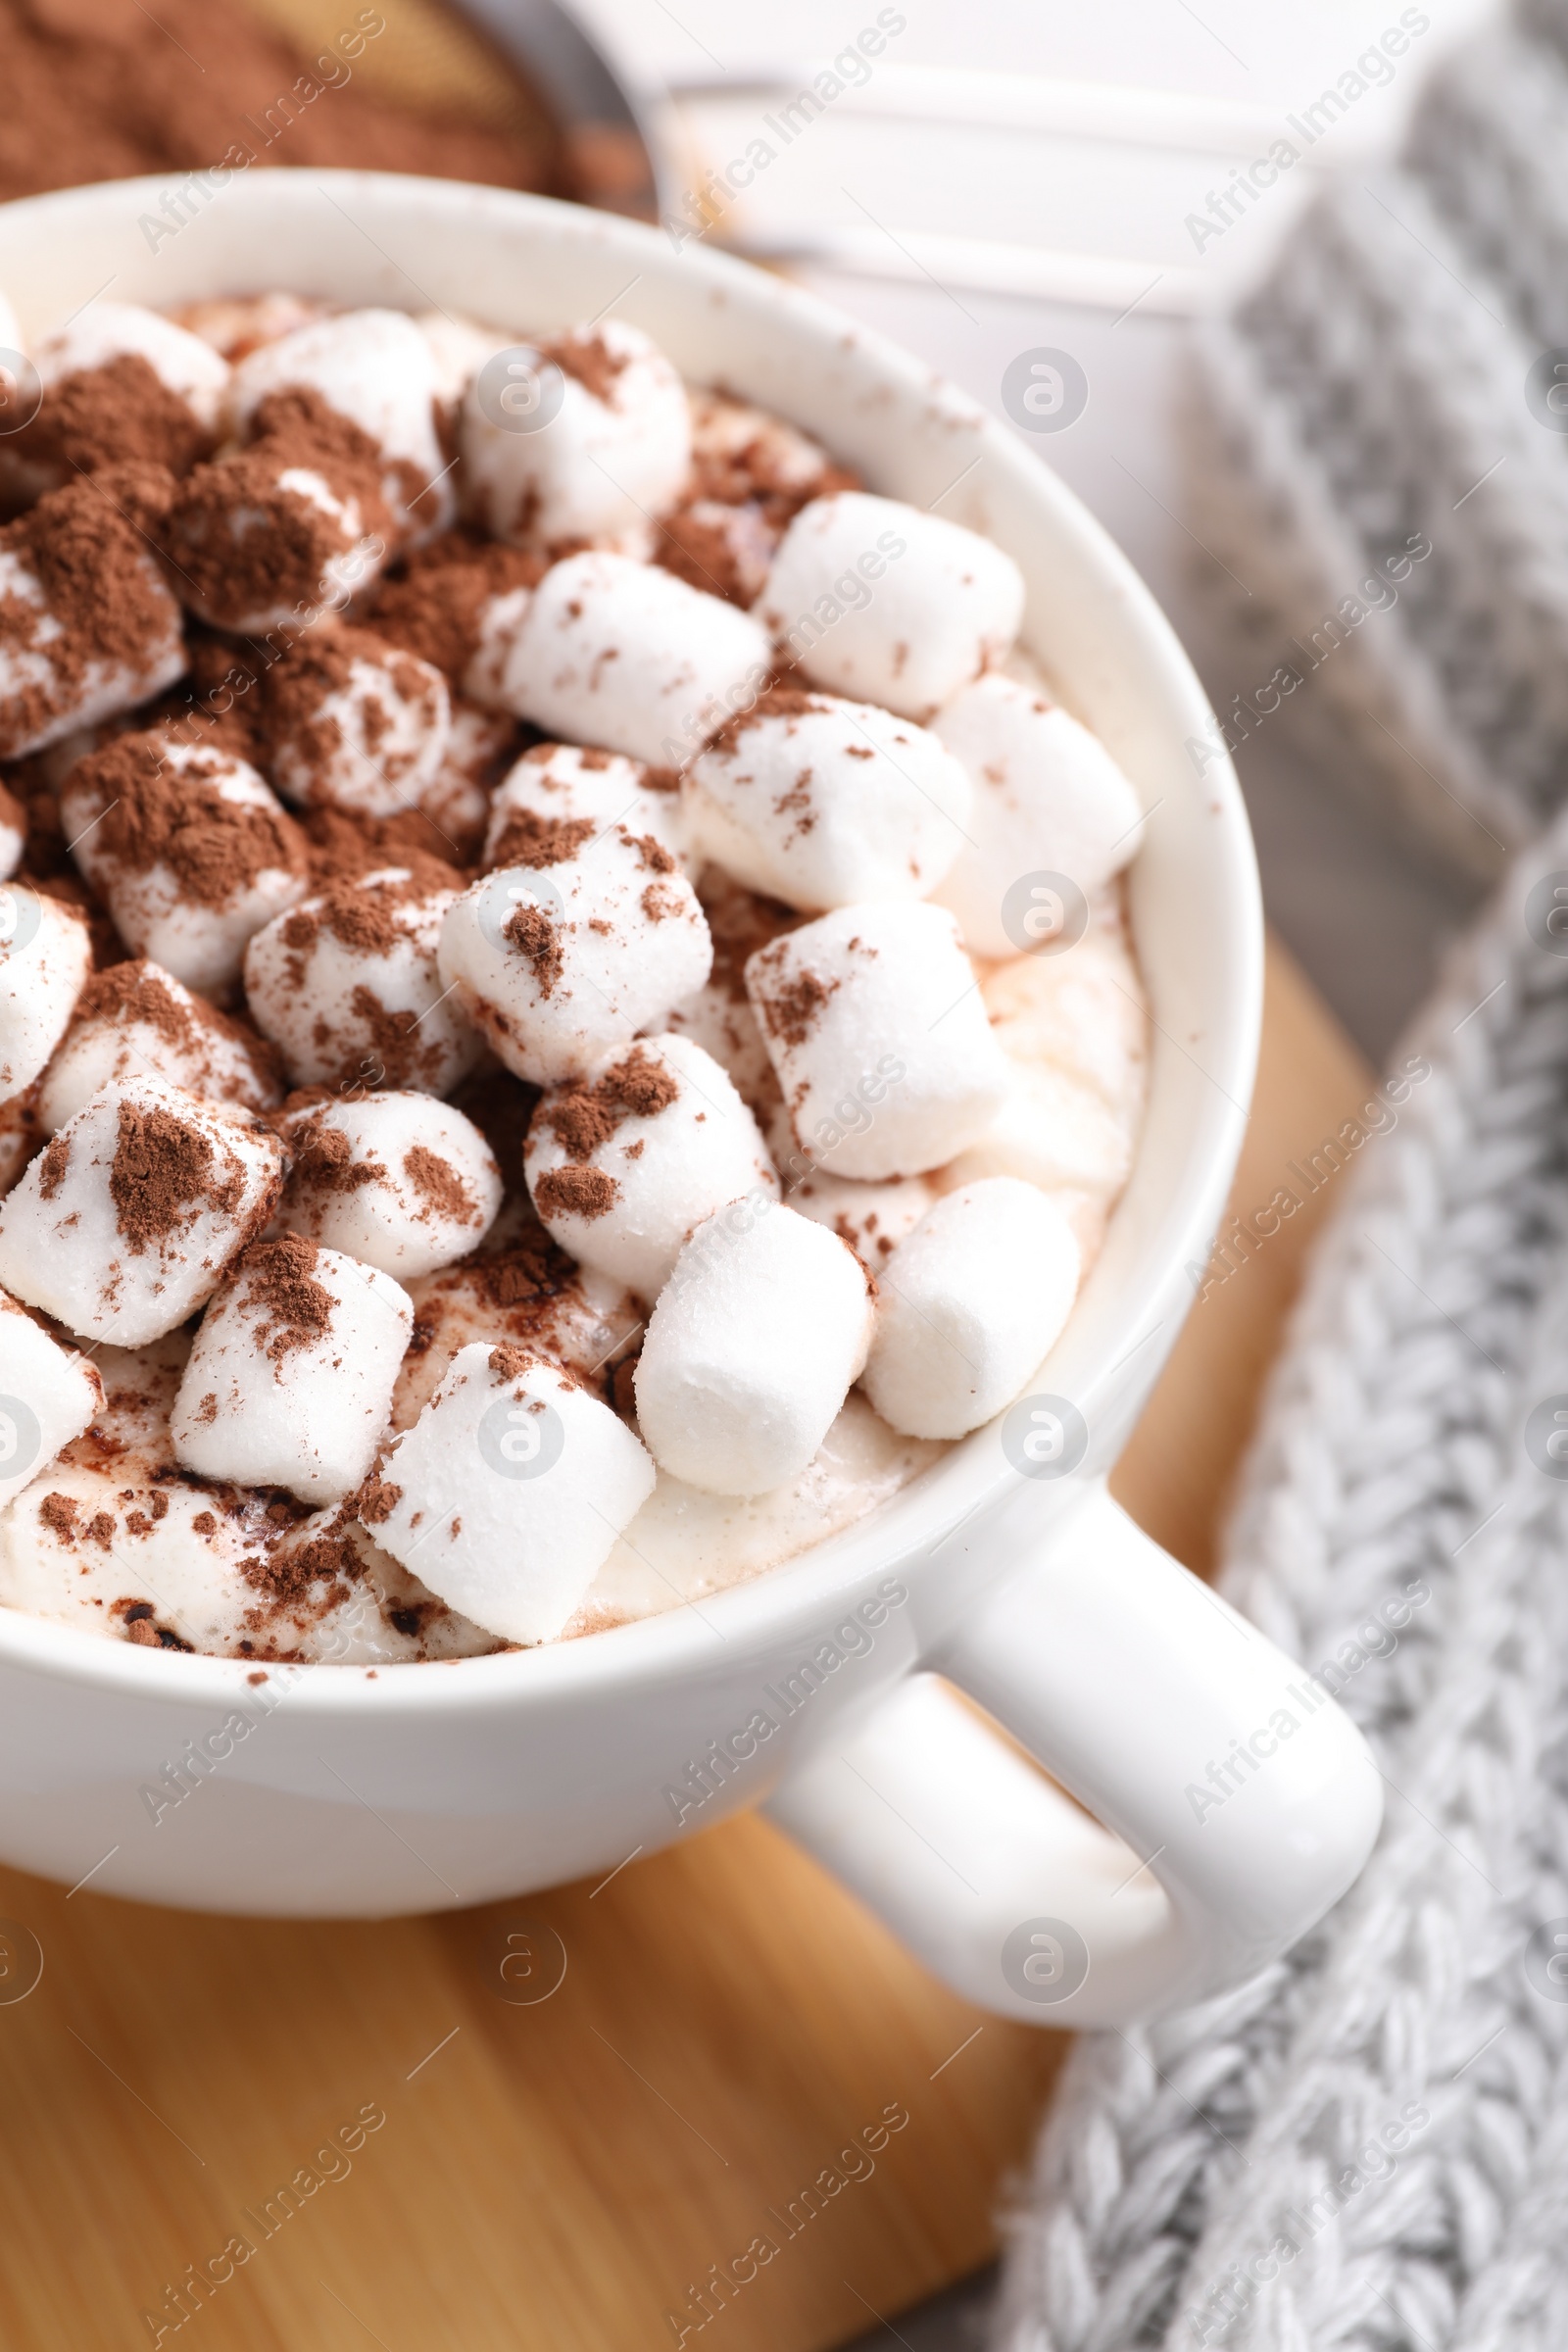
(508, 92)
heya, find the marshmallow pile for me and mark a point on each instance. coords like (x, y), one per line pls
(553, 955)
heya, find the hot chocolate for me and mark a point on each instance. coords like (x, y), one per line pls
(566, 1014)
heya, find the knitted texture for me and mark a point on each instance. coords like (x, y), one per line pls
(1370, 393)
(1386, 2109)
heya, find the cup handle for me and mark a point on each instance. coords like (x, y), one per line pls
(1239, 1801)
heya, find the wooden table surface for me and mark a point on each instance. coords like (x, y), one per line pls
(470, 2175)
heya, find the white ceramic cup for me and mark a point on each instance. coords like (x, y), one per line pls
(1248, 1801)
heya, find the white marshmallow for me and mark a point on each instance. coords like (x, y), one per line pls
(823, 802)
(144, 817)
(113, 652)
(740, 450)
(137, 1021)
(616, 450)
(510, 1490)
(377, 370)
(1082, 1011)
(1052, 1131)
(274, 537)
(752, 1349)
(517, 1291)
(347, 988)
(13, 827)
(498, 624)
(1075, 1031)
(626, 654)
(459, 349)
(19, 1136)
(83, 425)
(47, 1397)
(556, 781)
(9, 326)
(124, 1226)
(481, 747)
(970, 1304)
(45, 957)
(726, 551)
(557, 961)
(719, 1017)
(461, 603)
(183, 362)
(876, 1028)
(236, 323)
(681, 1144)
(876, 599)
(356, 723)
(398, 1181)
(1049, 798)
(290, 1378)
(873, 1218)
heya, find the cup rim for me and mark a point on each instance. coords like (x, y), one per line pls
(973, 1473)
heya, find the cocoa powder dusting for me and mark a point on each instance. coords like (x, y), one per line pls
(574, 1192)
(324, 1161)
(582, 1119)
(105, 89)
(530, 931)
(376, 1500)
(278, 563)
(99, 583)
(55, 1161)
(138, 992)
(293, 1308)
(155, 815)
(779, 701)
(104, 415)
(321, 663)
(586, 356)
(58, 1514)
(723, 550)
(439, 1186)
(791, 1007)
(163, 1171)
(434, 608)
(535, 841)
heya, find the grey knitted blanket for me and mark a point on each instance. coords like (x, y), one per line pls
(1390, 385)
(1368, 2145)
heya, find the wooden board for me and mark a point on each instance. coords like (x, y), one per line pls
(560, 2175)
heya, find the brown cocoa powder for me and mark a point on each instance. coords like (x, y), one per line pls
(791, 1007)
(278, 563)
(55, 1161)
(324, 1161)
(584, 355)
(86, 546)
(438, 1185)
(105, 89)
(293, 1309)
(155, 815)
(163, 1170)
(321, 663)
(120, 410)
(433, 605)
(534, 841)
(583, 1118)
(530, 931)
(574, 1192)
